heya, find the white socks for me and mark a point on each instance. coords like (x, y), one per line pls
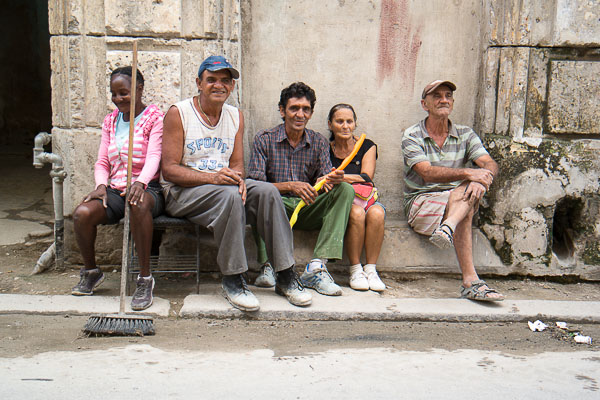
(370, 268)
(145, 277)
(355, 268)
(316, 263)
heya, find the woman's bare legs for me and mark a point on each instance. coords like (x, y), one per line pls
(141, 231)
(355, 234)
(86, 218)
(375, 226)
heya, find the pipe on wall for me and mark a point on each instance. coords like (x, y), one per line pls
(58, 175)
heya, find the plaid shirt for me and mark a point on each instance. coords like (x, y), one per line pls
(275, 160)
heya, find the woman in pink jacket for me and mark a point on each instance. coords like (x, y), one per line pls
(106, 204)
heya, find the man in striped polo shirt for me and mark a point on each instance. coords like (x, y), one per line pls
(442, 188)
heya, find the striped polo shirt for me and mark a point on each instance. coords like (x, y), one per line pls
(462, 146)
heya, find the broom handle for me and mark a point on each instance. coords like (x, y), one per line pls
(125, 257)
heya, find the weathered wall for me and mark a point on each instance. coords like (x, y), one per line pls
(89, 38)
(526, 73)
(375, 55)
(539, 112)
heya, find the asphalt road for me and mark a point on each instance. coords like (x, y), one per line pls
(44, 357)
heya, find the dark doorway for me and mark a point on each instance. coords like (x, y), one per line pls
(25, 110)
(25, 102)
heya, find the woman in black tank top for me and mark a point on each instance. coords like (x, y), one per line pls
(367, 218)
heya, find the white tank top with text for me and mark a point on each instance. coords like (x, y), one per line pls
(206, 148)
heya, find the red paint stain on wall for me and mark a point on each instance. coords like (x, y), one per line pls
(399, 43)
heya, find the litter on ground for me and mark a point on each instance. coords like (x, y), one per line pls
(537, 326)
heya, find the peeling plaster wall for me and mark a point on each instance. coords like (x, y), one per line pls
(527, 73)
(375, 55)
(539, 112)
(89, 38)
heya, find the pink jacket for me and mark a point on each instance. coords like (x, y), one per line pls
(112, 163)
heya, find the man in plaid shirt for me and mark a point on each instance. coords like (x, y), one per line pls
(294, 158)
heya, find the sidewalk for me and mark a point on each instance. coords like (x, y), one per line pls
(367, 306)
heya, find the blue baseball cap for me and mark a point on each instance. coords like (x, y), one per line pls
(217, 63)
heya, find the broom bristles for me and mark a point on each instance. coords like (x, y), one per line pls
(119, 325)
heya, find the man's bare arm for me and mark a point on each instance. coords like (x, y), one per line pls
(488, 163)
(476, 190)
(236, 161)
(172, 153)
(435, 174)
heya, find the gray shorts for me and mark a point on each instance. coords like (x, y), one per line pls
(115, 203)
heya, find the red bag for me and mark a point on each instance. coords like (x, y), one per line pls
(365, 195)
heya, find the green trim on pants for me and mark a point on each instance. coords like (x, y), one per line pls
(329, 213)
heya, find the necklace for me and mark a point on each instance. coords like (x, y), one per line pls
(203, 113)
(342, 156)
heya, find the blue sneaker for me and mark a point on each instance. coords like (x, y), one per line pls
(320, 280)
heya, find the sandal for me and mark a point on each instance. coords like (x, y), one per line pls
(475, 293)
(442, 237)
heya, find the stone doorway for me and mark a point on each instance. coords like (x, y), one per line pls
(25, 107)
(25, 110)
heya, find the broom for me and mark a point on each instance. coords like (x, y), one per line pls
(319, 185)
(122, 324)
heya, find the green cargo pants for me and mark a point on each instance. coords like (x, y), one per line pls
(329, 213)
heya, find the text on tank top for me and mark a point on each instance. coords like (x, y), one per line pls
(206, 148)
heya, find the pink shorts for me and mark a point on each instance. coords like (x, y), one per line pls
(427, 211)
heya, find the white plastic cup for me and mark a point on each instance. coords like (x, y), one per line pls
(583, 339)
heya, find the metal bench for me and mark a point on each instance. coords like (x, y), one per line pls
(177, 264)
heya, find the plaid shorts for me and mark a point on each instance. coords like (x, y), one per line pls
(427, 211)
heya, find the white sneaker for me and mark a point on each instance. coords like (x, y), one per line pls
(375, 283)
(359, 281)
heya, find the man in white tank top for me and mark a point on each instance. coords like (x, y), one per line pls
(202, 173)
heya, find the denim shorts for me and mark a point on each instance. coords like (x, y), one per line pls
(115, 203)
(380, 205)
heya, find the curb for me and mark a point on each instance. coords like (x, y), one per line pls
(368, 306)
(75, 305)
(352, 306)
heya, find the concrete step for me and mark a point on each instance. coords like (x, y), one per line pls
(403, 250)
